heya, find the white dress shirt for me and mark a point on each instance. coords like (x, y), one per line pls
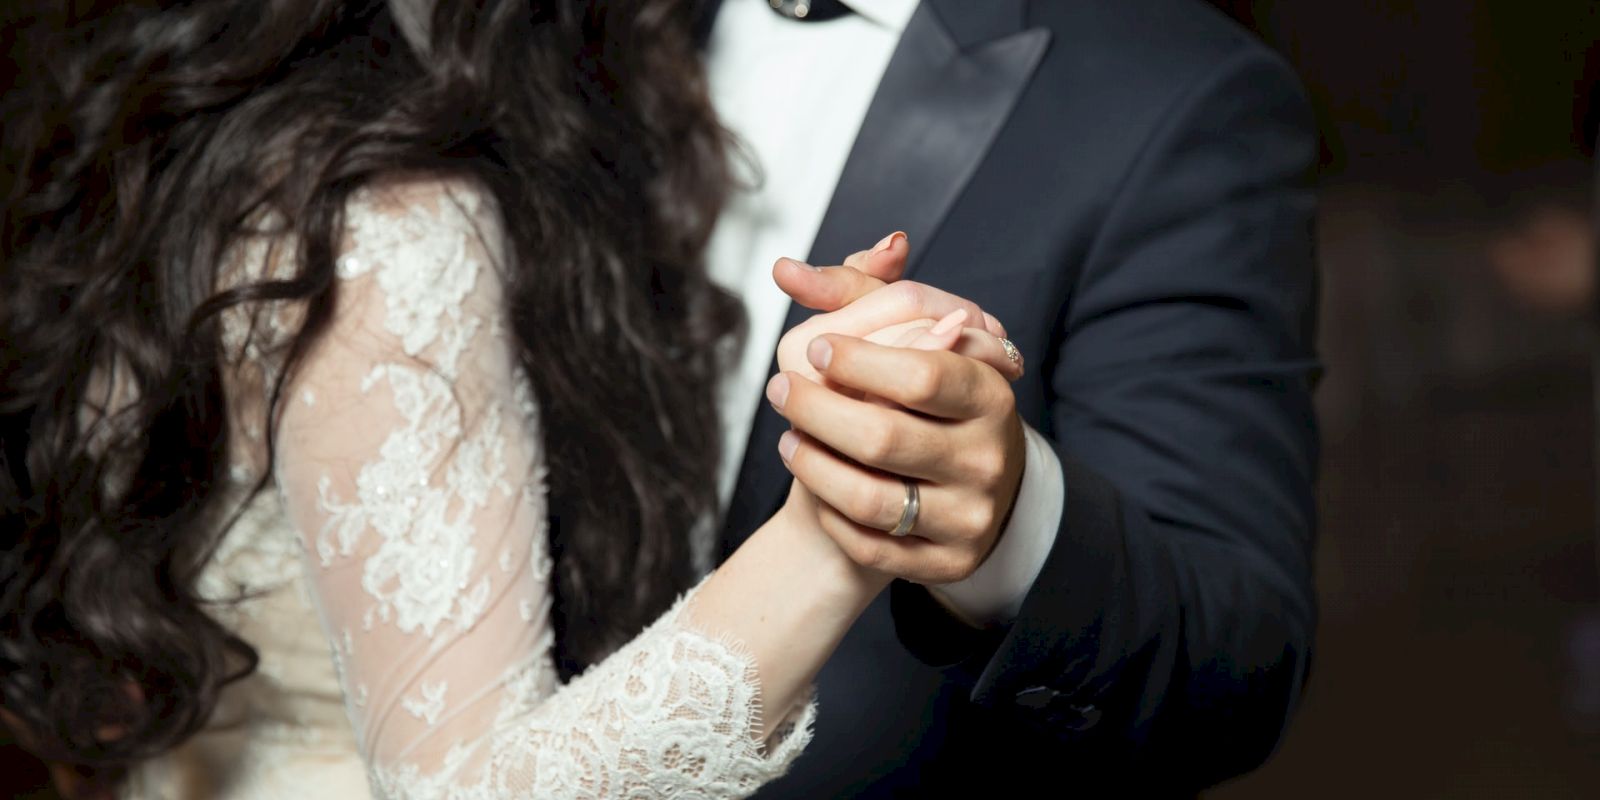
(795, 93)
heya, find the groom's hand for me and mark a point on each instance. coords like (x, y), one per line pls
(957, 434)
(953, 428)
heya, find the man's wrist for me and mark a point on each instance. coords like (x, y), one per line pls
(993, 594)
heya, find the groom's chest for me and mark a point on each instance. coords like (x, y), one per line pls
(794, 96)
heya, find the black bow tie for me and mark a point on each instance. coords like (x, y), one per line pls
(809, 10)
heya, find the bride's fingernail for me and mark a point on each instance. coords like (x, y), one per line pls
(778, 390)
(887, 242)
(787, 444)
(950, 322)
(820, 353)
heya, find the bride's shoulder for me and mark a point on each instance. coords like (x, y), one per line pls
(411, 248)
(423, 195)
(388, 216)
(408, 210)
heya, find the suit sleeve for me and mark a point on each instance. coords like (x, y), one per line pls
(1172, 621)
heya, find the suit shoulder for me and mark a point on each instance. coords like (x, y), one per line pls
(1154, 42)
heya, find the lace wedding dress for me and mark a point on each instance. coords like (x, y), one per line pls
(394, 576)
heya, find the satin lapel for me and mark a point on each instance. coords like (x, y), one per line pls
(705, 16)
(944, 97)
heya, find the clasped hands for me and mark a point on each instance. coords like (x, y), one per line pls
(897, 381)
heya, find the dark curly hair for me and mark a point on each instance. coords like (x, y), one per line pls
(139, 140)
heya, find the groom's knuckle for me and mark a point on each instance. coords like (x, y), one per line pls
(867, 551)
(994, 391)
(867, 505)
(877, 555)
(879, 443)
(973, 520)
(987, 463)
(921, 380)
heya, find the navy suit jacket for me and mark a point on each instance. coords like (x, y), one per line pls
(1125, 184)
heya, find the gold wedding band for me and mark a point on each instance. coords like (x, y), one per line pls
(908, 510)
(1011, 350)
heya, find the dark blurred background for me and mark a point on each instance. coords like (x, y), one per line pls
(1458, 654)
(1459, 648)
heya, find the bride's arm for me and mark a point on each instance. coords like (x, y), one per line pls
(409, 457)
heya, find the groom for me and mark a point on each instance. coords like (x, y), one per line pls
(1122, 184)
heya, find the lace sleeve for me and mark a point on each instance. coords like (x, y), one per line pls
(409, 459)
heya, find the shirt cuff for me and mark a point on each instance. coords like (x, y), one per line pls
(994, 593)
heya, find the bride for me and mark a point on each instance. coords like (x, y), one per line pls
(358, 389)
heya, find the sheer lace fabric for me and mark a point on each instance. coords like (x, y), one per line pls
(410, 488)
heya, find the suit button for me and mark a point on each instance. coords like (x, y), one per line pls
(1037, 697)
(1081, 718)
(1058, 709)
